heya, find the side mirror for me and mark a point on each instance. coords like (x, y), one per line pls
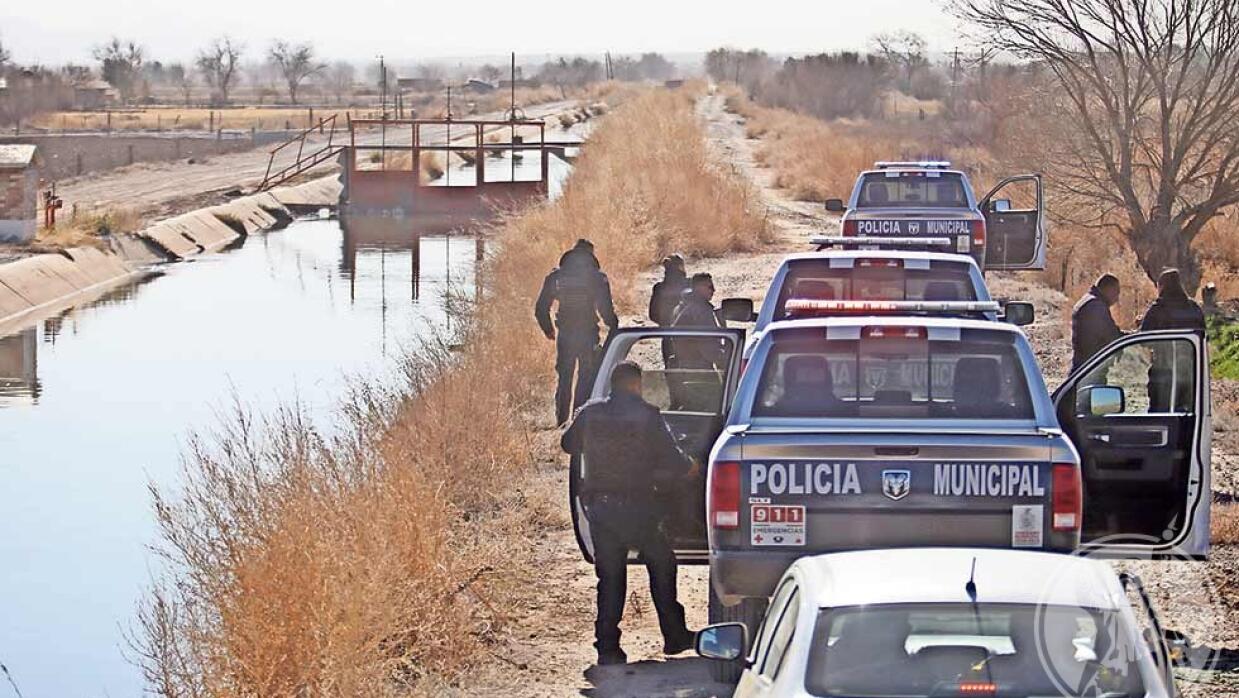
(725, 642)
(835, 205)
(1019, 313)
(1000, 205)
(737, 310)
(1100, 400)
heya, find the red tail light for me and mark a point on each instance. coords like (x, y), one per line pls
(978, 233)
(978, 689)
(1066, 510)
(725, 495)
(849, 228)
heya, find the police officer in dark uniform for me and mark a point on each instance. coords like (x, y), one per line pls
(1173, 309)
(667, 293)
(632, 456)
(699, 362)
(584, 296)
(1092, 325)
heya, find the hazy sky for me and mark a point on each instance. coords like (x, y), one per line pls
(361, 29)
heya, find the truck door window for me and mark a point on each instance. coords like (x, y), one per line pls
(1157, 377)
(816, 280)
(683, 375)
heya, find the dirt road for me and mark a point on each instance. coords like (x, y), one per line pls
(156, 190)
(547, 650)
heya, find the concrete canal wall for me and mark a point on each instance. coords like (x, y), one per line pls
(42, 284)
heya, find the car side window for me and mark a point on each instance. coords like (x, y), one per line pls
(777, 605)
(1156, 376)
(781, 636)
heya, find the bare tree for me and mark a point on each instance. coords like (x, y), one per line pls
(340, 79)
(183, 79)
(219, 62)
(905, 51)
(120, 63)
(6, 56)
(1150, 89)
(296, 63)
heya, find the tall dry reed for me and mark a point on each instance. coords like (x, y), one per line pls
(371, 561)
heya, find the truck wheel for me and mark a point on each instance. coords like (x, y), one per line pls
(749, 612)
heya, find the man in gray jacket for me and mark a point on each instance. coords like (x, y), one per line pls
(1092, 326)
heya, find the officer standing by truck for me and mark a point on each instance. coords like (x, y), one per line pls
(698, 362)
(1092, 325)
(584, 296)
(631, 455)
(1173, 309)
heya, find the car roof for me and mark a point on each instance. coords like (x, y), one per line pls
(894, 321)
(884, 254)
(928, 575)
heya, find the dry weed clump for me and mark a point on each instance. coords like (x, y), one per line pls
(375, 559)
(1224, 528)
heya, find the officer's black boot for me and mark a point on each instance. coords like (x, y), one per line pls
(612, 656)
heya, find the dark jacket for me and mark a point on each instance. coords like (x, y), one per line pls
(1173, 310)
(1092, 327)
(583, 294)
(666, 297)
(695, 312)
(627, 445)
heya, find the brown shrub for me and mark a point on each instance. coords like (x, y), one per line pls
(360, 564)
(1224, 524)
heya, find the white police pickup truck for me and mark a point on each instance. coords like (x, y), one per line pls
(931, 202)
(949, 622)
(877, 432)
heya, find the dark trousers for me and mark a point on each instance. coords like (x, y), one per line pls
(617, 525)
(575, 356)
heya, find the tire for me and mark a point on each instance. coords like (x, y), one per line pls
(749, 612)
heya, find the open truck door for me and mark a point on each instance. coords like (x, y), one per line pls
(1015, 224)
(694, 401)
(1139, 414)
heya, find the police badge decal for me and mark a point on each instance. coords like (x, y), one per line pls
(896, 484)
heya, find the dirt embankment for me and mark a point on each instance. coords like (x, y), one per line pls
(548, 652)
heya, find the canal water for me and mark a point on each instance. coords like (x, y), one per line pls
(98, 402)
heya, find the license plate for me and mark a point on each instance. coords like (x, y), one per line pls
(776, 525)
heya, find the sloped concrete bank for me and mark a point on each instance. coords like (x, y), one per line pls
(40, 285)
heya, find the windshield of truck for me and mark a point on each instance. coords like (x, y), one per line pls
(955, 649)
(893, 372)
(876, 279)
(912, 190)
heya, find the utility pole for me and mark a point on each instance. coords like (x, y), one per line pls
(383, 86)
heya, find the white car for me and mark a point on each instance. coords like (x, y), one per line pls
(949, 622)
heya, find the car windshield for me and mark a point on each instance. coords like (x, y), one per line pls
(893, 372)
(957, 649)
(880, 279)
(912, 190)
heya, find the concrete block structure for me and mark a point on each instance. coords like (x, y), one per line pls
(20, 165)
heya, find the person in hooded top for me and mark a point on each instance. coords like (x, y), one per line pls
(582, 296)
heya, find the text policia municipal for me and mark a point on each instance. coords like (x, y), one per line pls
(950, 479)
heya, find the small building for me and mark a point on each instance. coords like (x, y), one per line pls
(19, 191)
(478, 86)
(419, 84)
(94, 94)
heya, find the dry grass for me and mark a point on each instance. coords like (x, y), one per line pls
(1224, 528)
(86, 227)
(373, 562)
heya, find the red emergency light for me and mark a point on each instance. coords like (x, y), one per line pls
(887, 332)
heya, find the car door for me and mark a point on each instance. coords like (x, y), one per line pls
(1014, 214)
(1139, 414)
(693, 400)
(772, 643)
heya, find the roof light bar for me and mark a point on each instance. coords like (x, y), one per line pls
(809, 306)
(921, 164)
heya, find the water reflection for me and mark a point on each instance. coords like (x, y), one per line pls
(95, 404)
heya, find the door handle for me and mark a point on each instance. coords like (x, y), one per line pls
(1104, 438)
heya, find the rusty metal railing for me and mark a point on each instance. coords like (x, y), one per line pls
(303, 161)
